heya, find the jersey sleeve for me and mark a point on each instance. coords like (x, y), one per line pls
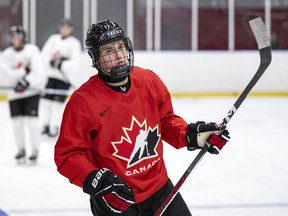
(73, 148)
(173, 127)
(36, 76)
(47, 48)
(74, 59)
(12, 75)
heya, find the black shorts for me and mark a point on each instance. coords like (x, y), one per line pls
(149, 206)
(56, 84)
(25, 106)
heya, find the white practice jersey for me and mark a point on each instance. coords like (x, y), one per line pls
(56, 47)
(24, 63)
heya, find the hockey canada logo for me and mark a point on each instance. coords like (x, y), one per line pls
(138, 143)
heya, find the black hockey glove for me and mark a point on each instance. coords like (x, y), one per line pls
(57, 62)
(199, 133)
(27, 70)
(108, 191)
(21, 86)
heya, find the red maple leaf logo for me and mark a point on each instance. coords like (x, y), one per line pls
(127, 148)
(19, 65)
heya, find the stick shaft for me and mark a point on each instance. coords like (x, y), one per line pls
(177, 187)
(265, 56)
(43, 91)
(263, 42)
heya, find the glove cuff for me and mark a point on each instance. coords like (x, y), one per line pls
(24, 82)
(191, 137)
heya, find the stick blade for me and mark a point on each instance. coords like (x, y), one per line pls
(259, 31)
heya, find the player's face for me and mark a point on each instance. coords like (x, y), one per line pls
(65, 30)
(16, 41)
(112, 55)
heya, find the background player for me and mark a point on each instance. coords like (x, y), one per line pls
(101, 124)
(23, 67)
(61, 53)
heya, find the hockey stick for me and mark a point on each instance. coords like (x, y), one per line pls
(44, 91)
(57, 62)
(67, 80)
(263, 41)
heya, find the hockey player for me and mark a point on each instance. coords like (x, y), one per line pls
(104, 121)
(23, 67)
(61, 53)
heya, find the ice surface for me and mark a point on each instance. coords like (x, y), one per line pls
(249, 177)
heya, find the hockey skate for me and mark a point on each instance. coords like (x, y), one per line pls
(53, 133)
(33, 157)
(45, 130)
(20, 156)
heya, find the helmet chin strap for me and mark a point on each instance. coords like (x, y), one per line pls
(117, 74)
(109, 79)
(119, 71)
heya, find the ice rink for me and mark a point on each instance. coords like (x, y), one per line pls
(249, 177)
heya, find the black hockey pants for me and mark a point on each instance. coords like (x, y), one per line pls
(149, 206)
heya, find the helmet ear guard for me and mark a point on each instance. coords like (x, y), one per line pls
(94, 54)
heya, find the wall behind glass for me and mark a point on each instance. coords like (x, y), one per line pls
(176, 25)
(244, 38)
(10, 14)
(279, 24)
(113, 10)
(77, 18)
(139, 39)
(46, 21)
(213, 25)
(175, 21)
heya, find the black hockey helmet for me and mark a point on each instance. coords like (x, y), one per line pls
(66, 22)
(105, 32)
(18, 31)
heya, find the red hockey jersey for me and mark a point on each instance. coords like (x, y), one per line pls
(102, 128)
